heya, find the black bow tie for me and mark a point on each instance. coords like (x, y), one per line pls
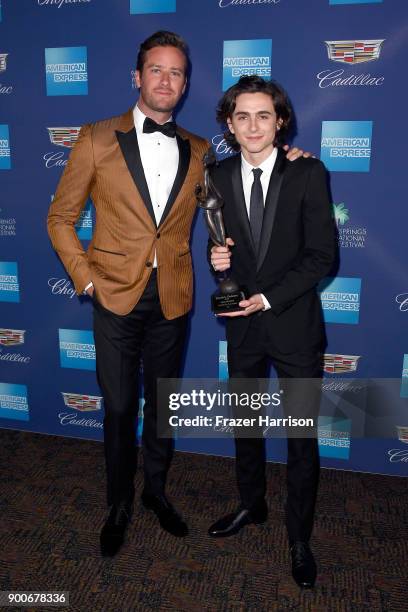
(168, 129)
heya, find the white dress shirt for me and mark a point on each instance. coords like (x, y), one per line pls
(160, 159)
(247, 181)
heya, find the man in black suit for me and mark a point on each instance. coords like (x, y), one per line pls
(281, 244)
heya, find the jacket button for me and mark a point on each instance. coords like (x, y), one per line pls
(148, 264)
(158, 235)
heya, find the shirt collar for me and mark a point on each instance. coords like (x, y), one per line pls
(266, 166)
(138, 119)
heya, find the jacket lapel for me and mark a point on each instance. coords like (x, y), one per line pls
(271, 203)
(240, 208)
(184, 162)
(129, 145)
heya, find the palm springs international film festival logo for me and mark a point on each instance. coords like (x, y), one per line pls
(340, 298)
(346, 145)
(66, 71)
(142, 7)
(351, 53)
(243, 57)
(349, 236)
(77, 349)
(14, 402)
(9, 286)
(5, 157)
(8, 225)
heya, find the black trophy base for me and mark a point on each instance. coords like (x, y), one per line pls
(227, 302)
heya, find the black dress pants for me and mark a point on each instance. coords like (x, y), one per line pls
(120, 343)
(250, 360)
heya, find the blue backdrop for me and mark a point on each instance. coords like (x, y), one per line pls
(67, 62)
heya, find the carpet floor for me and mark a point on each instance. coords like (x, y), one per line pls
(52, 507)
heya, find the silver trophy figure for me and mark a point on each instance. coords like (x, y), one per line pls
(229, 294)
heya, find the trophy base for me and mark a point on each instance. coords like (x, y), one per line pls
(227, 302)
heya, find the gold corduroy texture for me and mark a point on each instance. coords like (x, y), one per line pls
(125, 237)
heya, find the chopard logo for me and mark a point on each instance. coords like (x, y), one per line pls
(61, 286)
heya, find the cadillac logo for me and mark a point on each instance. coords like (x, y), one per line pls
(353, 51)
(3, 61)
(63, 136)
(402, 434)
(83, 403)
(11, 337)
(339, 364)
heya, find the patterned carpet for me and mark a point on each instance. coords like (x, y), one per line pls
(52, 508)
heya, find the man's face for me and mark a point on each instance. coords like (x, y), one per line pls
(162, 81)
(254, 124)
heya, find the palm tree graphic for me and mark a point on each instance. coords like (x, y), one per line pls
(341, 214)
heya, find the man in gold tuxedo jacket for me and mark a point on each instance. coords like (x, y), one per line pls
(140, 170)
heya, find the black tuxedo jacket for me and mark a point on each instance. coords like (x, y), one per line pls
(296, 251)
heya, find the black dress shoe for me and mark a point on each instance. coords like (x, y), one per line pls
(303, 564)
(113, 531)
(230, 525)
(169, 519)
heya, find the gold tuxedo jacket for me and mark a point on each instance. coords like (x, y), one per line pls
(105, 164)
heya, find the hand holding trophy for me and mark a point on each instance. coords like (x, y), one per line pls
(229, 294)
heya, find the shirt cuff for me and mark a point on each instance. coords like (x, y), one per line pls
(89, 285)
(266, 304)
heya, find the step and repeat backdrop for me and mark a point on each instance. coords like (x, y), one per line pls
(67, 62)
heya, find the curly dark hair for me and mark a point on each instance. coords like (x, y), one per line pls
(256, 84)
(162, 38)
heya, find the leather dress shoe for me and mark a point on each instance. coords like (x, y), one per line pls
(169, 519)
(232, 523)
(113, 532)
(303, 564)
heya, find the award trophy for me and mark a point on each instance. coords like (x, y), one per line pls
(229, 294)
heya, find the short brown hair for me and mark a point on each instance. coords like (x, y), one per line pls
(162, 38)
(256, 84)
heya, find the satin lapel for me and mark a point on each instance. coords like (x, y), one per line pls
(240, 206)
(130, 150)
(271, 203)
(184, 162)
